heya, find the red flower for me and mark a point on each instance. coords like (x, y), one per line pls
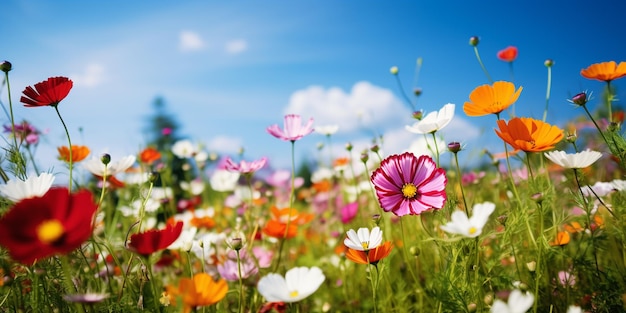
(49, 92)
(62, 222)
(154, 240)
(508, 54)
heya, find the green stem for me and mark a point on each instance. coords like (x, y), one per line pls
(6, 75)
(548, 88)
(69, 141)
(403, 93)
(291, 199)
(69, 285)
(436, 147)
(458, 171)
(240, 282)
(609, 100)
(482, 65)
(596, 124)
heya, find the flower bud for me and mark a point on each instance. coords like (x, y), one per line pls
(349, 147)
(473, 41)
(415, 251)
(236, 244)
(488, 299)
(580, 99)
(6, 66)
(154, 176)
(454, 147)
(531, 266)
(613, 126)
(418, 115)
(105, 158)
(417, 91)
(364, 156)
(375, 148)
(548, 62)
(393, 70)
(472, 307)
(571, 138)
(538, 197)
(502, 219)
(376, 218)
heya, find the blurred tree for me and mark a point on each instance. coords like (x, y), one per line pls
(162, 128)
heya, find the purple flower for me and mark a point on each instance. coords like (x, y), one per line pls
(229, 269)
(406, 184)
(293, 129)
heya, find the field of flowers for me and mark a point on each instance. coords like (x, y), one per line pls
(174, 229)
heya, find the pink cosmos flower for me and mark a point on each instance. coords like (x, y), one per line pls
(406, 184)
(348, 212)
(293, 130)
(244, 167)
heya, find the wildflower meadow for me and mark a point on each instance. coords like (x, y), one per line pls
(538, 227)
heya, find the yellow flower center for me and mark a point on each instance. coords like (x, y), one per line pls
(409, 190)
(365, 244)
(293, 294)
(472, 230)
(49, 231)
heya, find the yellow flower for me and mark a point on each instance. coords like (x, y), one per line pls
(491, 99)
(528, 134)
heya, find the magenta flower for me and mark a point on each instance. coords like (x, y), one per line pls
(293, 128)
(406, 184)
(348, 212)
(244, 167)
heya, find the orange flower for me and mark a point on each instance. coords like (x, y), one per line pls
(373, 256)
(202, 222)
(528, 134)
(277, 226)
(574, 227)
(562, 238)
(605, 71)
(488, 99)
(322, 186)
(149, 155)
(79, 153)
(508, 54)
(201, 290)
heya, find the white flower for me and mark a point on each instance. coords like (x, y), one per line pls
(619, 184)
(326, 129)
(363, 239)
(321, 174)
(470, 227)
(433, 121)
(183, 149)
(298, 283)
(574, 309)
(96, 167)
(195, 187)
(600, 189)
(518, 303)
(34, 186)
(573, 160)
(224, 180)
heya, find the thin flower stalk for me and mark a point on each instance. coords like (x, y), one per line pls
(482, 66)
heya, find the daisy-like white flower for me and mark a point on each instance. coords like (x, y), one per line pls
(183, 149)
(224, 180)
(518, 302)
(470, 227)
(363, 239)
(406, 184)
(327, 130)
(293, 129)
(96, 167)
(298, 283)
(574, 160)
(195, 187)
(34, 186)
(433, 121)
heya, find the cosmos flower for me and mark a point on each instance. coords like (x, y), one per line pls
(25, 132)
(149, 155)
(372, 256)
(363, 240)
(470, 227)
(183, 149)
(605, 71)
(327, 130)
(518, 302)
(406, 184)
(528, 134)
(277, 226)
(224, 180)
(573, 160)
(201, 290)
(433, 121)
(508, 54)
(491, 99)
(47, 93)
(34, 186)
(96, 167)
(229, 269)
(245, 167)
(62, 224)
(79, 153)
(348, 212)
(154, 240)
(298, 283)
(293, 128)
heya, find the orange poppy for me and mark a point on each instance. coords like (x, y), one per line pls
(149, 155)
(562, 238)
(491, 99)
(79, 153)
(373, 256)
(605, 71)
(528, 134)
(508, 54)
(201, 290)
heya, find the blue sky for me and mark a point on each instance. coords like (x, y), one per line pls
(229, 69)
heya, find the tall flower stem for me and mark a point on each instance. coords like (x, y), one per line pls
(588, 214)
(240, 282)
(548, 89)
(6, 77)
(291, 199)
(609, 100)
(594, 123)
(403, 93)
(65, 265)
(436, 147)
(482, 65)
(69, 141)
(458, 172)
(538, 274)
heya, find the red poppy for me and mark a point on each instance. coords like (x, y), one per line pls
(508, 54)
(149, 155)
(48, 92)
(154, 240)
(62, 223)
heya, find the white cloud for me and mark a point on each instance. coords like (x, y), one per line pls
(365, 104)
(225, 144)
(94, 75)
(190, 41)
(236, 46)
